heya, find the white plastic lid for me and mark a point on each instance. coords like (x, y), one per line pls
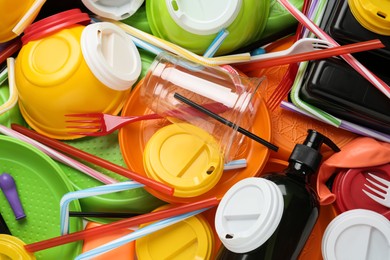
(113, 9)
(357, 234)
(203, 16)
(248, 214)
(111, 55)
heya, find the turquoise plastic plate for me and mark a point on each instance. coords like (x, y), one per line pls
(40, 184)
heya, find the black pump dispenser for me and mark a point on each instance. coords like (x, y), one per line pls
(308, 153)
(301, 207)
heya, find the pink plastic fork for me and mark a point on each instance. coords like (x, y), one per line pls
(99, 124)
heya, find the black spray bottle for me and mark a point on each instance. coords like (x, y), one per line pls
(300, 209)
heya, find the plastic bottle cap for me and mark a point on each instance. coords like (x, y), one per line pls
(374, 15)
(203, 17)
(113, 9)
(357, 234)
(249, 214)
(349, 189)
(111, 55)
(13, 248)
(54, 23)
(176, 156)
(191, 238)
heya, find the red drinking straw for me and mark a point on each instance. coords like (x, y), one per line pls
(10, 49)
(121, 224)
(70, 150)
(312, 55)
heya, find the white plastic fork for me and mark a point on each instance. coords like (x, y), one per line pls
(300, 46)
(380, 190)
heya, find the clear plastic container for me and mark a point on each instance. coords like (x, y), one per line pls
(227, 94)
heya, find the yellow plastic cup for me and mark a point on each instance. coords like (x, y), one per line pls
(78, 69)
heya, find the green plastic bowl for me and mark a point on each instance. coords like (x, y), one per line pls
(246, 28)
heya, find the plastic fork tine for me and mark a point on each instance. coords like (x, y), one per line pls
(376, 191)
(373, 197)
(385, 183)
(379, 189)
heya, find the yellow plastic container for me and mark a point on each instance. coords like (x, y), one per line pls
(11, 13)
(61, 73)
(13, 248)
(191, 238)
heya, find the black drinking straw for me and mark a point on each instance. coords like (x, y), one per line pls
(102, 214)
(226, 122)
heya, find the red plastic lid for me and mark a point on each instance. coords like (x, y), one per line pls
(54, 23)
(349, 186)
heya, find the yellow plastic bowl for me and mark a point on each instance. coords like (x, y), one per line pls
(53, 80)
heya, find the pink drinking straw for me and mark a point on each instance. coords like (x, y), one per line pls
(70, 150)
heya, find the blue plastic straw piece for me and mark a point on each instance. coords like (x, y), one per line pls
(235, 164)
(99, 190)
(146, 46)
(136, 234)
(217, 42)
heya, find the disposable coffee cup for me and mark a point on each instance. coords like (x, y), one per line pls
(228, 94)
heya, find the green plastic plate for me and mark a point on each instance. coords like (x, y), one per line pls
(40, 184)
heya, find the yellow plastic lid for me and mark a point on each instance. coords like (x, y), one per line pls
(374, 15)
(191, 163)
(191, 238)
(13, 248)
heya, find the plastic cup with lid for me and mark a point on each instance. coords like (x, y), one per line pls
(195, 24)
(113, 9)
(67, 66)
(229, 95)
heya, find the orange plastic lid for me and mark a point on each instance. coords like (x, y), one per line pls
(289, 128)
(133, 138)
(124, 252)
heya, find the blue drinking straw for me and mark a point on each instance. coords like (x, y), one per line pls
(136, 235)
(99, 190)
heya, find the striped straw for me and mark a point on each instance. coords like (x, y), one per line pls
(59, 156)
(377, 82)
(136, 235)
(316, 15)
(99, 190)
(216, 43)
(13, 92)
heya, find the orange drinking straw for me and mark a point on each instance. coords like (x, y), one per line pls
(312, 55)
(121, 224)
(70, 150)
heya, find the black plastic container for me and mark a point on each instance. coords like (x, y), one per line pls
(335, 87)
